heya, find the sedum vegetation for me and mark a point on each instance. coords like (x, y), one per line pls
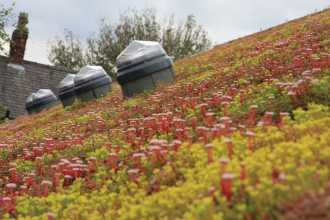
(244, 133)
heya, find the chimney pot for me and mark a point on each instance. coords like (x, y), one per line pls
(18, 40)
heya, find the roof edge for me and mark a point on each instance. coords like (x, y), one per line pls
(27, 62)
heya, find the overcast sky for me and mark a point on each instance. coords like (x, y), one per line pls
(223, 19)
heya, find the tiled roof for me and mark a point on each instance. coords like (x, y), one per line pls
(15, 86)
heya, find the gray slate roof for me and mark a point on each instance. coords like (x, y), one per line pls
(15, 87)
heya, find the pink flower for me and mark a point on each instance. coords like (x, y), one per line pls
(226, 185)
(209, 149)
(229, 144)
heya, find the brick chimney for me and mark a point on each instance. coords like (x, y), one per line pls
(18, 40)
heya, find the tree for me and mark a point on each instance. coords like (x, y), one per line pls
(179, 40)
(185, 39)
(111, 40)
(5, 16)
(67, 52)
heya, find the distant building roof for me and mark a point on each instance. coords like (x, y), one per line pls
(17, 82)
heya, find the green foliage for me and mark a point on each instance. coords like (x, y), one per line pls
(266, 96)
(100, 153)
(314, 111)
(67, 52)
(133, 102)
(4, 113)
(4, 154)
(103, 48)
(25, 166)
(5, 16)
(320, 91)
